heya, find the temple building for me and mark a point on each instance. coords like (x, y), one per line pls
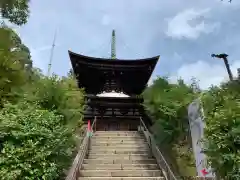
(113, 89)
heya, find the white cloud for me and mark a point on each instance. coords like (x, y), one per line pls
(180, 27)
(207, 74)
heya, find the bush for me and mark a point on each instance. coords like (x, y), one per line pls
(60, 95)
(39, 115)
(35, 143)
(222, 132)
(167, 105)
(14, 63)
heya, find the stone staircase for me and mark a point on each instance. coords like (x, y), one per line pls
(119, 155)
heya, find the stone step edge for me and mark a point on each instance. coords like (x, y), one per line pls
(122, 178)
(101, 148)
(138, 164)
(116, 161)
(122, 169)
(131, 150)
(113, 154)
(116, 137)
(120, 145)
(118, 170)
(119, 167)
(119, 159)
(118, 134)
(118, 150)
(117, 131)
(118, 140)
(134, 136)
(118, 153)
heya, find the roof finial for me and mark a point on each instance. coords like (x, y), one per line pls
(113, 46)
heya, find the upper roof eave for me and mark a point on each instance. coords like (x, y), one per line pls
(90, 59)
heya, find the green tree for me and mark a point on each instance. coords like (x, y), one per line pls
(39, 116)
(46, 111)
(167, 105)
(222, 132)
(15, 62)
(35, 143)
(56, 94)
(13, 45)
(16, 11)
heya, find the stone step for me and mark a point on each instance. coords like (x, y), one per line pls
(122, 156)
(123, 140)
(122, 178)
(120, 166)
(119, 161)
(141, 143)
(116, 138)
(122, 146)
(117, 132)
(119, 135)
(90, 154)
(120, 173)
(99, 149)
(120, 151)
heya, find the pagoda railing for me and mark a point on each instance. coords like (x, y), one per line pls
(74, 171)
(166, 170)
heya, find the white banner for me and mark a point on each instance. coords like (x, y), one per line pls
(196, 122)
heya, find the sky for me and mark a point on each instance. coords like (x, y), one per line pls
(183, 32)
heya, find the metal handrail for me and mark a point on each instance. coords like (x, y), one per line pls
(167, 172)
(82, 152)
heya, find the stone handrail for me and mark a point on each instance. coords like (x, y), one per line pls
(166, 170)
(74, 173)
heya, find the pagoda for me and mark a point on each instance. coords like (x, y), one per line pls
(113, 89)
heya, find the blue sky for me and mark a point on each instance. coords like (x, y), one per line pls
(183, 32)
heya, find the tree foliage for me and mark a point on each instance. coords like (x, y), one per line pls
(36, 144)
(39, 115)
(61, 95)
(167, 105)
(15, 62)
(37, 128)
(16, 11)
(222, 133)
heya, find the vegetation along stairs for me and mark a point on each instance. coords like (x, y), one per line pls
(119, 155)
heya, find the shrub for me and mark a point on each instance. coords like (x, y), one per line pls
(222, 132)
(167, 105)
(60, 95)
(35, 143)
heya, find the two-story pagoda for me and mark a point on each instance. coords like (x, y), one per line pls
(113, 89)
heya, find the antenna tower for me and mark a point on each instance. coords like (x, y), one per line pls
(51, 55)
